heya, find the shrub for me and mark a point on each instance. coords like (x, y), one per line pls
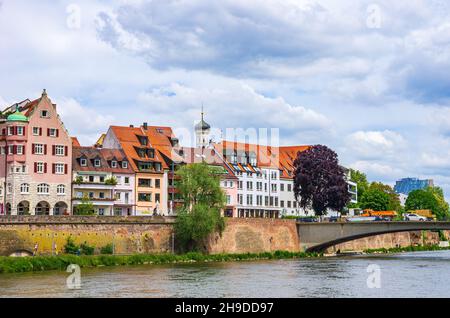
(107, 249)
(71, 247)
(86, 249)
(111, 181)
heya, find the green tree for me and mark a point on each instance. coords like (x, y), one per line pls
(84, 208)
(431, 198)
(375, 199)
(394, 200)
(203, 201)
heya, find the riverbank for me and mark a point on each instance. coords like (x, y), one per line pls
(46, 263)
(406, 249)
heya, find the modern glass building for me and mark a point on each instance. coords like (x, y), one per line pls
(406, 185)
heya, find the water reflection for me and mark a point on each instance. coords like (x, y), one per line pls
(424, 274)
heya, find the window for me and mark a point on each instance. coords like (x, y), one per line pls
(113, 164)
(61, 189)
(145, 197)
(127, 180)
(10, 188)
(249, 199)
(157, 197)
(43, 188)
(249, 185)
(101, 195)
(83, 162)
(38, 149)
(102, 179)
(117, 195)
(289, 187)
(45, 114)
(40, 167)
(36, 131)
(59, 168)
(97, 163)
(24, 188)
(60, 150)
(10, 150)
(19, 150)
(2, 150)
(91, 178)
(125, 164)
(20, 130)
(240, 198)
(157, 183)
(228, 199)
(10, 131)
(101, 211)
(282, 203)
(240, 185)
(52, 132)
(282, 187)
(147, 183)
(117, 211)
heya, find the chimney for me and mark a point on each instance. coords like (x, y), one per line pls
(145, 126)
(44, 92)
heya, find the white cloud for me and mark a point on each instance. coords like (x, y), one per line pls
(376, 144)
(83, 122)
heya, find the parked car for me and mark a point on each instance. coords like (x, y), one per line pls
(414, 217)
(382, 219)
(333, 219)
(308, 219)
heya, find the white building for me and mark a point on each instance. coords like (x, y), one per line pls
(258, 191)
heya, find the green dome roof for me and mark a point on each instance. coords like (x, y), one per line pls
(17, 116)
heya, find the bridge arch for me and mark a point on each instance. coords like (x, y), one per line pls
(317, 237)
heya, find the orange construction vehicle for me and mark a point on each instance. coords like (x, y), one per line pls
(383, 214)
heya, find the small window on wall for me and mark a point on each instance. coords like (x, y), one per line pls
(61, 189)
(83, 162)
(45, 114)
(124, 164)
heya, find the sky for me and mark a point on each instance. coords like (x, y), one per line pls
(369, 79)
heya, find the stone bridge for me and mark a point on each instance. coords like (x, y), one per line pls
(316, 237)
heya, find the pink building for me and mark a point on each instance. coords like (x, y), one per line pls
(35, 160)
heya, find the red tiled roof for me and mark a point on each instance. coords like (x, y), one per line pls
(287, 158)
(105, 156)
(158, 137)
(210, 156)
(75, 142)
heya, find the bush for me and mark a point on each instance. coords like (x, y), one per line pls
(111, 181)
(107, 249)
(86, 249)
(71, 247)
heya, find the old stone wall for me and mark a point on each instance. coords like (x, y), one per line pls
(255, 236)
(402, 239)
(128, 235)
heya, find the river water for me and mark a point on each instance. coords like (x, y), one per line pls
(420, 274)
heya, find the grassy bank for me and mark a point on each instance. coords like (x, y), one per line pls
(44, 263)
(420, 248)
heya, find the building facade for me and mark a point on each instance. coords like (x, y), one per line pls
(406, 185)
(35, 160)
(103, 178)
(149, 151)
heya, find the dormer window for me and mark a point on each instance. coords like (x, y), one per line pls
(97, 163)
(83, 162)
(114, 164)
(45, 114)
(125, 164)
(151, 153)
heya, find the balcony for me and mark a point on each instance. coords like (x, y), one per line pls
(93, 186)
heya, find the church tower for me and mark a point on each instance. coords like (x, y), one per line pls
(202, 130)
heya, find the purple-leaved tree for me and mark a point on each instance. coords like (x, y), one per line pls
(319, 180)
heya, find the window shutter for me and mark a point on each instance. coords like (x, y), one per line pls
(33, 149)
(53, 168)
(4, 131)
(14, 150)
(40, 131)
(48, 132)
(53, 150)
(24, 131)
(45, 167)
(66, 151)
(57, 132)
(15, 130)
(45, 149)
(65, 168)
(35, 167)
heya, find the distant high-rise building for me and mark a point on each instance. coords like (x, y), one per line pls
(406, 185)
